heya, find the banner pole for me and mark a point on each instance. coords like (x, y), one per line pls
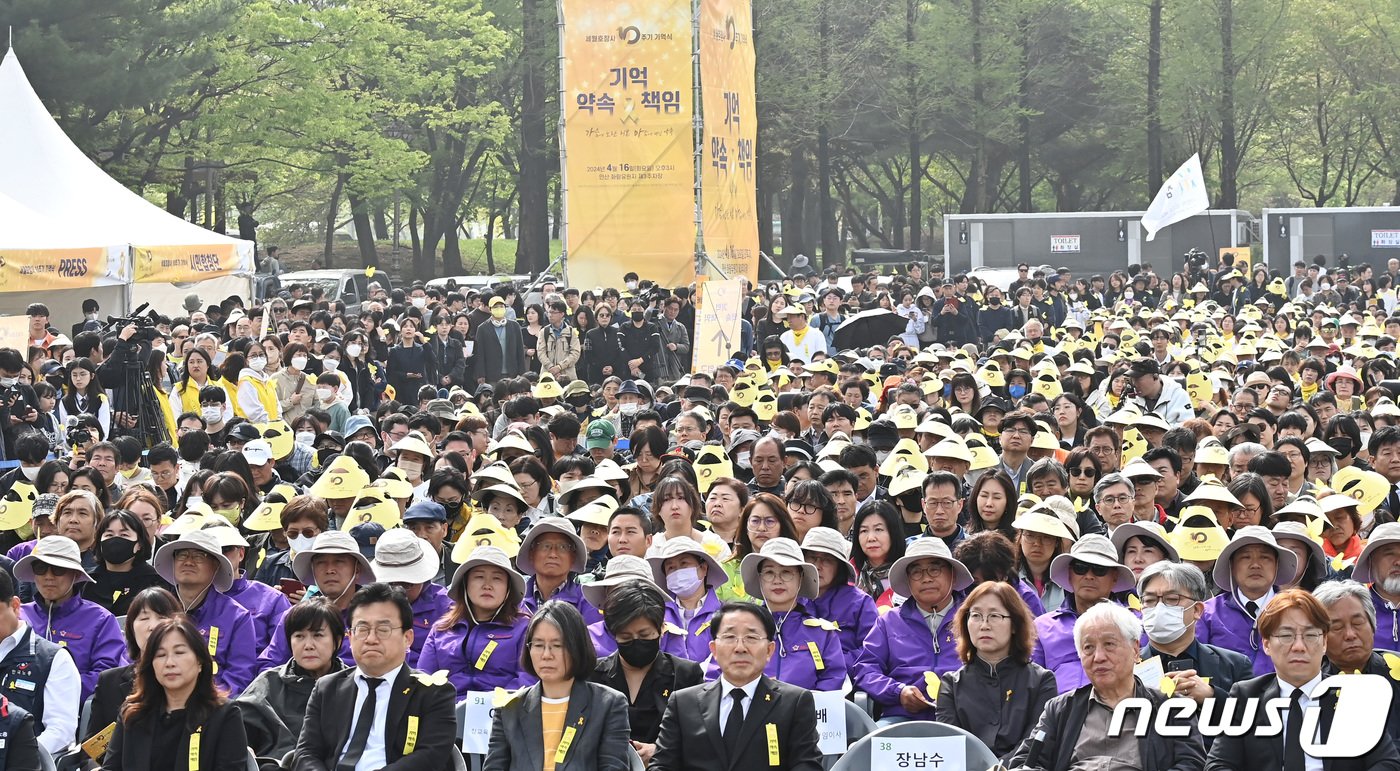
(701, 258)
(563, 156)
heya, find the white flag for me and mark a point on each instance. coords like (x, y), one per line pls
(1183, 195)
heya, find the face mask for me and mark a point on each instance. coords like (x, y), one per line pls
(1164, 623)
(353, 350)
(420, 302)
(881, 455)
(131, 473)
(301, 543)
(257, 363)
(1127, 295)
(742, 459)
(579, 401)
(498, 313)
(91, 316)
(410, 467)
(627, 409)
(1325, 287)
(684, 582)
(638, 316)
(299, 362)
(117, 550)
(1017, 391)
(211, 414)
(160, 348)
(994, 300)
(8, 382)
(232, 513)
(330, 365)
(631, 286)
(639, 653)
(325, 394)
(1074, 295)
(305, 437)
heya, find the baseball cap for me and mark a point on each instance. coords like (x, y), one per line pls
(430, 511)
(601, 433)
(257, 452)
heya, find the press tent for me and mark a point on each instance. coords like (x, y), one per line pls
(44, 171)
(45, 261)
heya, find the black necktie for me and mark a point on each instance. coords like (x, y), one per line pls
(1252, 608)
(735, 723)
(356, 746)
(1292, 740)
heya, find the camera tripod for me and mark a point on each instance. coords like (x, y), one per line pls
(136, 395)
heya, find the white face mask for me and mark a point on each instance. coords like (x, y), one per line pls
(627, 409)
(219, 357)
(330, 365)
(325, 394)
(30, 473)
(8, 382)
(211, 415)
(257, 363)
(742, 459)
(353, 350)
(301, 543)
(305, 437)
(410, 467)
(160, 348)
(1164, 623)
(683, 582)
(419, 302)
(299, 362)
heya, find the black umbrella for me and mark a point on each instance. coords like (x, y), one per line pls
(867, 328)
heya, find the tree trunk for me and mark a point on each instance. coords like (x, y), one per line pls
(973, 197)
(1229, 153)
(381, 225)
(220, 210)
(1154, 99)
(794, 213)
(916, 202)
(327, 255)
(452, 251)
(413, 232)
(491, 242)
(364, 231)
(1023, 122)
(556, 207)
(532, 250)
(832, 252)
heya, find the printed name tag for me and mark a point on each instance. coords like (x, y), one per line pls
(23, 685)
(194, 750)
(816, 656)
(564, 745)
(411, 740)
(213, 640)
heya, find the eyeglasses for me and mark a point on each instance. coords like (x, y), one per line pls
(749, 640)
(762, 522)
(775, 576)
(1084, 568)
(1015, 430)
(1082, 471)
(44, 569)
(552, 546)
(189, 555)
(381, 629)
(1174, 598)
(1287, 639)
(940, 503)
(552, 649)
(990, 618)
(1116, 500)
(928, 571)
(305, 532)
(452, 504)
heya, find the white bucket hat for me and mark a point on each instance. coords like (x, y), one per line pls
(332, 542)
(57, 551)
(202, 540)
(490, 556)
(1382, 535)
(622, 569)
(1093, 549)
(551, 525)
(715, 577)
(1246, 536)
(926, 548)
(784, 552)
(825, 540)
(1148, 530)
(401, 556)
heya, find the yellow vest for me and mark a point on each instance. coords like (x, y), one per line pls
(267, 396)
(189, 397)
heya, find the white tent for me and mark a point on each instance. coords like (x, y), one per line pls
(45, 172)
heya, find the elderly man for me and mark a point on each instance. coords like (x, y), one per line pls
(766, 460)
(1173, 599)
(1113, 500)
(1089, 573)
(1379, 565)
(1351, 641)
(336, 568)
(196, 566)
(1249, 571)
(1073, 729)
(914, 643)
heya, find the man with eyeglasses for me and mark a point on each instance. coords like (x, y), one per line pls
(196, 566)
(758, 722)
(1294, 632)
(1089, 573)
(1249, 572)
(1351, 640)
(942, 503)
(379, 712)
(1017, 431)
(1113, 500)
(1173, 598)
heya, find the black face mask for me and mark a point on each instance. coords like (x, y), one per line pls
(638, 316)
(639, 653)
(1343, 445)
(117, 550)
(452, 511)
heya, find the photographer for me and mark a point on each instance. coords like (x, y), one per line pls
(125, 358)
(18, 403)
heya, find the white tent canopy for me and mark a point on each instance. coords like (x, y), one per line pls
(23, 228)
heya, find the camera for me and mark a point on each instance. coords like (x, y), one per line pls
(80, 437)
(144, 320)
(1196, 259)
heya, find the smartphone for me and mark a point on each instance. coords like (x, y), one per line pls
(1180, 665)
(290, 586)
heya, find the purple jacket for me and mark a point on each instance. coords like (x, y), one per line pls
(570, 592)
(793, 660)
(1028, 594)
(20, 550)
(899, 651)
(1387, 628)
(433, 603)
(262, 602)
(460, 649)
(87, 630)
(852, 610)
(278, 652)
(1225, 623)
(694, 645)
(1054, 645)
(228, 627)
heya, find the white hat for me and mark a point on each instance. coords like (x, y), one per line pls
(622, 569)
(58, 551)
(401, 556)
(921, 549)
(1147, 530)
(1246, 536)
(257, 452)
(332, 542)
(484, 556)
(557, 525)
(1094, 549)
(715, 577)
(1382, 535)
(202, 540)
(825, 540)
(781, 551)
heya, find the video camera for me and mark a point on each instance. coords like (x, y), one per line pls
(1195, 259)
(142, 317)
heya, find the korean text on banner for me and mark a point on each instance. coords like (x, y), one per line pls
(727, 181)
(1182, 195)
(717, 328)
(37, 270)
(627, 98)
(182, 264)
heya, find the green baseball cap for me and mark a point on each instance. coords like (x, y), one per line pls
(601, 433)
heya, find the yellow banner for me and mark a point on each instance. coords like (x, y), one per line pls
(182, 264)
(37, 270)
(1242, 258)
(727, 181)
(717, 328)
(629, 170)
(14, 332)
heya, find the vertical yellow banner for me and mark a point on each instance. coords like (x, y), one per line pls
(627, 103)
(718, 332)
(728, 182)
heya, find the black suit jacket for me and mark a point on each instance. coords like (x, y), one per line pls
(597, 713)
(223, 746)
(1265, 753)
(330, 712)
(113, 686)
(691, 737)
(1224, 667)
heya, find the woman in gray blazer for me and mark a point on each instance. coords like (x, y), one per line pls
(564, 721)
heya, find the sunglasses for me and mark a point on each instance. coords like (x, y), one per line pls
(1081, 471)
(1084, 568)
(43, 569)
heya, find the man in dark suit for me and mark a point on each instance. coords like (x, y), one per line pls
(499, 350)
(1173, 596)
(1293, 628)
(379, 714)
(743, 719)
(1351, 641)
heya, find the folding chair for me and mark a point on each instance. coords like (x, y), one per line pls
(857, 757)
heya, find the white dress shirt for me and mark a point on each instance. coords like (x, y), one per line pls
(63, 691)
(374, 756)
(1305, 701)
(726, 702)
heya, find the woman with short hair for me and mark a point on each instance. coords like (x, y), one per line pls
(274, 704)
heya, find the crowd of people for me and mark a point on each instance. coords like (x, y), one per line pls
(306, 532)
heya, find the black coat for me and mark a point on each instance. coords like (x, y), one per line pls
(999, 704)
(1223, 666)
(602, 347)
(953, 329)
(1377, 665)
(113, 686)
(643, 343)
(326, 727)
(691, 738)
(410, 368)
(222, 744)
(1064, 717)
(667, 675)
(1233, 753)
(448, 359)
(489, 361)
(273, 706)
